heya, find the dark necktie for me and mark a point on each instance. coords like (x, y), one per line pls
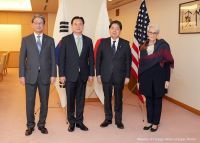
(113, 47)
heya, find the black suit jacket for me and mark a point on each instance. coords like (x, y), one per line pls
(30, 60)
(119, 65)
(70, 63)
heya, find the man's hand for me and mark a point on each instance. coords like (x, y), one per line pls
(126, 81)
(62, 79)
(22, 80)
(53, 80)
(90, 79)
(166, 84)
(99, 79)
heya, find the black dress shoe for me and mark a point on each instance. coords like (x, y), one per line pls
(43, 130)
(147, 127)
(154, 129)
(71, 127)
(106, 123)
(81, 126)
(120, 125)
(29, 131)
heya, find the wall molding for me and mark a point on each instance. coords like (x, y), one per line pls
(182, 105)
(187, 107)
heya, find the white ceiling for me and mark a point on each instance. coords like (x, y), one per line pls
(51, 6)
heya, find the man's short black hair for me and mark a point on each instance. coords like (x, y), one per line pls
(77, 17)
(116, 22)
(38, 16)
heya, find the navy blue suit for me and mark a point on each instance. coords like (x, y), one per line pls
(76, 69)
(113, 70)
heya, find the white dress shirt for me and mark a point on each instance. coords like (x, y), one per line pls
(41, 37)
(150, 49)
(76, 40)
(116, 43)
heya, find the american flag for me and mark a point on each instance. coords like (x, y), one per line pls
(140, 36)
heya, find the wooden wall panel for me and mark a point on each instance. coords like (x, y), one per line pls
(14, 18)
(13, 61)
(3, 17)
(23, 19)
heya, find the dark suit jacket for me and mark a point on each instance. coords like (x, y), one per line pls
(30, 60)
(119, 65)
(70, 63)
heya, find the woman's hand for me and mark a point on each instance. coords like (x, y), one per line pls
(138, 85)
(144, 98)
(166, 84)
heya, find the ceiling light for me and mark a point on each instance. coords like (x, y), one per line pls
(15, 5)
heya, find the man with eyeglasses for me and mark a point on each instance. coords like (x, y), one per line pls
(37, 69)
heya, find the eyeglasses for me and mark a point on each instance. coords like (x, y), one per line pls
(154, 33)
(38, 23)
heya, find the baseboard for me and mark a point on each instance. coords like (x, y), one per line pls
(189, 108)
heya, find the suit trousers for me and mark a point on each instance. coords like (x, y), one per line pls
(75, 92)
(30, 102)
(118, 88)
(154, 108)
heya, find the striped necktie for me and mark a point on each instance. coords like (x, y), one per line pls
(39, 44)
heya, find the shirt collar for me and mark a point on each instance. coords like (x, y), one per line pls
(75, 36)
(41, 35)
(117, 40)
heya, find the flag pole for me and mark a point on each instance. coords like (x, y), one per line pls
(140, 36)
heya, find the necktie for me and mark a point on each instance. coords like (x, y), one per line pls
(79, 45)
(113, 48)
(39, 44)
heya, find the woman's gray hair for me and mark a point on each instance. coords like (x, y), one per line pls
(155, 27)
(38, 16)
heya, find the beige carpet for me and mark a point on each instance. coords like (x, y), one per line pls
(177, 124)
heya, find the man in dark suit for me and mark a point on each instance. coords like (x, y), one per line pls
(113, 65)
(37, 69)
(76, 67)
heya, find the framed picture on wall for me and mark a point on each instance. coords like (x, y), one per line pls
(189, 17)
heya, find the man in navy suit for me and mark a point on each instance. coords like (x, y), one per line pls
(113, 65)
(76, 67)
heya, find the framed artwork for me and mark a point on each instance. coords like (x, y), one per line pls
(189, 17)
